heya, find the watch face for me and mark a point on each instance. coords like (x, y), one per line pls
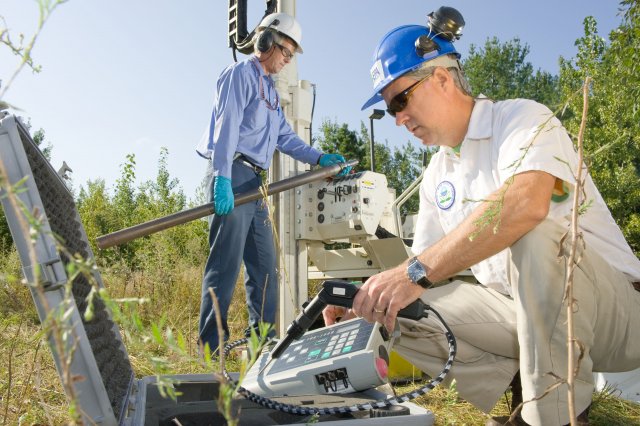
(418, 273)
(416, 270)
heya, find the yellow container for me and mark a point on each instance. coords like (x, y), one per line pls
(400, 369)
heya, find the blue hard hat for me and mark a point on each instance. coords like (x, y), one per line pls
(397, 54)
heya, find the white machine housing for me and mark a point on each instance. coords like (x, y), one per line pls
(349, 209)
(345, 208)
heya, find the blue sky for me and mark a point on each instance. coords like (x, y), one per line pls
(123, 77)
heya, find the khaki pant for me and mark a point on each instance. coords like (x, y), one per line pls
(498, 335)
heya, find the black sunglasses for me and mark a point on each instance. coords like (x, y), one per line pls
(400, 101)
(285, 52)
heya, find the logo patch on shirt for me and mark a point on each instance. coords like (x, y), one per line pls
(445, 194)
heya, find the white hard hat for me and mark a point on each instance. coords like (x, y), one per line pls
(285, 24)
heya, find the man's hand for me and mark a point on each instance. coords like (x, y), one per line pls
(222, 195)
(332, 314)
(327, 160)
(384, 294)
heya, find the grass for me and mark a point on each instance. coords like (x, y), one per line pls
(606, 409)
(30, 389)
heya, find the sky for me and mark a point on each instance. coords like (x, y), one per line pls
(126, 77)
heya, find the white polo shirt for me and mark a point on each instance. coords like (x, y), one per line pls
(504, 139)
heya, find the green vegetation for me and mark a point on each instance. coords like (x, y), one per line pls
(500, 71)
(164, 270)
(103, 213)
(612, 138)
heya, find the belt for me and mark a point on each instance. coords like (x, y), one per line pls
(243, 160)
(636, 285)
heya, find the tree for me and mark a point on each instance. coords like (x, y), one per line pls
(339, 138)
(124, 208)
(500, 71)
(38, 138)
(96, 211)
(612, 138)
(102, 214)
(161, 197)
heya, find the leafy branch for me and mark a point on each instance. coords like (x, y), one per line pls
(22, 49)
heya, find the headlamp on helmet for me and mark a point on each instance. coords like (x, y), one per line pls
(406, 48)
(445, 22)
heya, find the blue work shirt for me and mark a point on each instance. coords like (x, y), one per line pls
(243, 123)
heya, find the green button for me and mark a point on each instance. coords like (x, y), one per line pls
(314, 353)
(326, 355)
(346, 349)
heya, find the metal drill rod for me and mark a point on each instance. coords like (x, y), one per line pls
(160, 224)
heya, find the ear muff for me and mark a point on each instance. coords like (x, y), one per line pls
(265, 41)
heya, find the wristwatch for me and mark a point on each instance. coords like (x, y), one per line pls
(418, 273)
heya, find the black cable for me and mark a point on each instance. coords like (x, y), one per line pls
(313, 108)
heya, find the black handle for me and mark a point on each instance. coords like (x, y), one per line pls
(342, 293)
(415, 311)
(338, 293)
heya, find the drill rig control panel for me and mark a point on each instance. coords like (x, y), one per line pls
(348, 207)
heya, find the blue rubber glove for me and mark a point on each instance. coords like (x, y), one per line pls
(331, 159)
(222, 195)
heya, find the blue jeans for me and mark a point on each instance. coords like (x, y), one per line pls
(246, 235)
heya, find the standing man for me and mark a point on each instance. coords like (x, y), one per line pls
(497, 198)
(247, 126)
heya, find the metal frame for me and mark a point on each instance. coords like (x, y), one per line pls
(296, 98)
(48, 290)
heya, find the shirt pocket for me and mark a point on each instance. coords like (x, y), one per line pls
(256, 115)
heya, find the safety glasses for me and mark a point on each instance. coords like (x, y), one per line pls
(285, 52)
(400, 101)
